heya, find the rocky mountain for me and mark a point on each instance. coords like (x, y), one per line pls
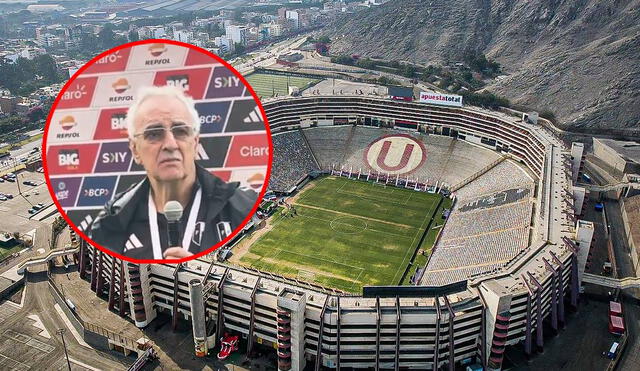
(578, 58)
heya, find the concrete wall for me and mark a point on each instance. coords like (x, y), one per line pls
(75, 321)
(634, 246)
(609, 156)
(8, 291)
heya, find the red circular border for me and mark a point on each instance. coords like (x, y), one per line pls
(155, 261)
(422, 146)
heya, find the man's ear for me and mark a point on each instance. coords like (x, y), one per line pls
(195, 145)
(134, 151)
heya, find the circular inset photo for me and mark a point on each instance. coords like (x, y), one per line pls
(157, 151)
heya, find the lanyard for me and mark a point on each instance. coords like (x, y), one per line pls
(153, 224)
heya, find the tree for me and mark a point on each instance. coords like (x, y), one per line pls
(133, 35)
(239, 48)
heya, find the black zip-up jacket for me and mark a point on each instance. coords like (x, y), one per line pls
(123, 225)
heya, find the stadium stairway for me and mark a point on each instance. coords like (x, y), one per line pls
(446, 159)
(478, 174)
(315, 158)
(347, 147)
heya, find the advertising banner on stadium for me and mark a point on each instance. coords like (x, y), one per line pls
(441, 99)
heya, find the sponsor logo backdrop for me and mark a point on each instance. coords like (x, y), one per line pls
(88, 156)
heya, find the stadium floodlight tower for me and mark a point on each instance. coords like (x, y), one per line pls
(198, 317)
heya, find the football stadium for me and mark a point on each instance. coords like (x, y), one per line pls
(396, 234)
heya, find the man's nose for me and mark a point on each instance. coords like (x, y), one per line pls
(169, 141)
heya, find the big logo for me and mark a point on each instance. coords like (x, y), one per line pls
(112, 124)
(71, 159)
(396, 154)
(193, 81)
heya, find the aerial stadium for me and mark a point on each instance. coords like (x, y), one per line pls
(397, 234)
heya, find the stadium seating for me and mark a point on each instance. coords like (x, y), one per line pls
(487, 227)
(292, 159)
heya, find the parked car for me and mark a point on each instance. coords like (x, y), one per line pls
(32, 211)
(8, 195)
(3, 198)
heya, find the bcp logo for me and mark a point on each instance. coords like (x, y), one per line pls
(179, 81)
(96, 191)
(224, 84)
(78, 94)
(213, 116)
(112, 124)
(113, 157)
(396, 154)
(69, 158)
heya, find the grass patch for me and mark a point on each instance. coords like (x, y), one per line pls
(347, 234)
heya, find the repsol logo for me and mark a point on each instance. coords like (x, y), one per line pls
(154, 62)
(226, 82)
(179, 81)
(210, 119)
(123, 98)
(96, 192)
(77, 93)
(251, 151)
(68, 157)
(118, 121)
(67, 135)
(113, 157)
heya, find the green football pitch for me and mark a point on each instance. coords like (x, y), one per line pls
(347, 234)
(269, 85)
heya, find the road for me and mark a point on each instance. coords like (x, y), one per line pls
(631, 357)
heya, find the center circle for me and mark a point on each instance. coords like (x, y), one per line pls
(348, 225)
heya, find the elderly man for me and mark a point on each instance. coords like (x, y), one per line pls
(164, 130)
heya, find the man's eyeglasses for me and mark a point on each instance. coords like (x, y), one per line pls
(155, 134)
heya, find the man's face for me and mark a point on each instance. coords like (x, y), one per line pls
(166, 155)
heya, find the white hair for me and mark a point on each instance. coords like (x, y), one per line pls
(162, 91)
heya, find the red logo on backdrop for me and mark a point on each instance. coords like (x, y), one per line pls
(67, 122)
(395, 154)
(114, 62)
(71, 159)
(222, 174)
(256, 181)
(192, 81)
(112, 124)
(157, 49)
(195, 57)
(78, 93)
(248, 150)
(121, 85)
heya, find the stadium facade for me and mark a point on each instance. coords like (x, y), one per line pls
(423, 327)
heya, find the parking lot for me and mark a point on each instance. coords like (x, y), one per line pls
(14, 213)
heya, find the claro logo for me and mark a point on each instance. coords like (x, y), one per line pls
(254, 151)
(76, 92)
(111, 58)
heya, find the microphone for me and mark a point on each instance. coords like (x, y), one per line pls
(173, 213)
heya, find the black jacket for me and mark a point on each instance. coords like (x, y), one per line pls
(124, 221)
